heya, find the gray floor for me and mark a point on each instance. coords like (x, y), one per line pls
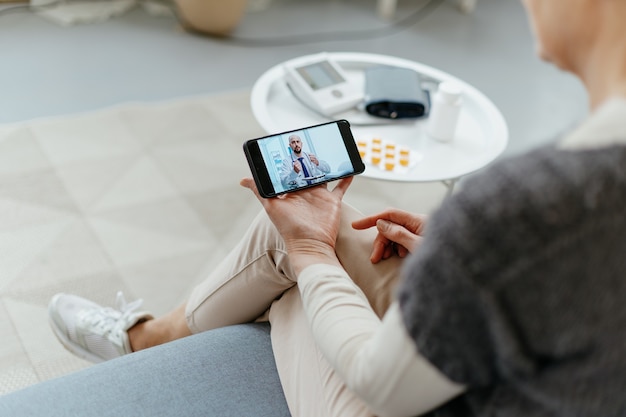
(49, 70)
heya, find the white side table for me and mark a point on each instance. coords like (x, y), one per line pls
(481, 136)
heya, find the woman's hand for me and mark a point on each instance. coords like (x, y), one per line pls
(399, 232)
(308, 221)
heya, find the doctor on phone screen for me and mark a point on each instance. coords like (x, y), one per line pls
(302, 168)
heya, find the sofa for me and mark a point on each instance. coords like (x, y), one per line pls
(222, 372)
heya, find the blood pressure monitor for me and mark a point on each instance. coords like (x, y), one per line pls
(320, 83)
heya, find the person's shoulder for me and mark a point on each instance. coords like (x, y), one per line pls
(523, 204)
(547, 179)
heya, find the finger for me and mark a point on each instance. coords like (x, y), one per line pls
(249, 184)
(388, 251)
(378, 250)
(370, 221)
(402, 251)
(361, 224)
(410, 221)
(342, 186)
(397, 233)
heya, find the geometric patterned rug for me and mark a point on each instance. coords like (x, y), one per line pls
(141, 197)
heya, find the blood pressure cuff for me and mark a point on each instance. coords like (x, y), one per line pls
(395, 93)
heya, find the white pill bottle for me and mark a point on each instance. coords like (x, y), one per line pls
(444, 112)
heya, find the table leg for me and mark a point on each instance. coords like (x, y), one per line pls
(387, 8)
(450, 186)
(467, 6)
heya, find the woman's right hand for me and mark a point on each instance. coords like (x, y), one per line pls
(399, 232)
(308, 221)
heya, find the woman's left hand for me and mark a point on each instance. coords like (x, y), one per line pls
(308, 221)
(399, 232)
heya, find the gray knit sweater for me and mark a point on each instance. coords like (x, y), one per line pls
(519, 290)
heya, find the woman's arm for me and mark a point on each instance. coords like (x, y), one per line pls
(377, 360)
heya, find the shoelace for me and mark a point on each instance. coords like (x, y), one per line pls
(106, 319)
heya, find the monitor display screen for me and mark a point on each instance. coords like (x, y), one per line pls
(320, 75)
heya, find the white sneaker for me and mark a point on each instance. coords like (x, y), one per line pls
(93, 332)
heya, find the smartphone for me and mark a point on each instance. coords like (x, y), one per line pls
(302, 158)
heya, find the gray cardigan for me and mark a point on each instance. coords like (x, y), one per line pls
(519, 289)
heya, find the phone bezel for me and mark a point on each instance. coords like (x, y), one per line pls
(259, 169)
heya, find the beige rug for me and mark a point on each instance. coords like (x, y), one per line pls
(142, 198)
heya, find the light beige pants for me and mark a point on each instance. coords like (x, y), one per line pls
(256, 276)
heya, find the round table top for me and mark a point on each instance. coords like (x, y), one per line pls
(481, 134)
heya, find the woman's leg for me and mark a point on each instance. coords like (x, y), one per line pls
(242, 287)
(239, 290)
(256, 272)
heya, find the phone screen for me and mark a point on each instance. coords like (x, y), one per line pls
(302, 158)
